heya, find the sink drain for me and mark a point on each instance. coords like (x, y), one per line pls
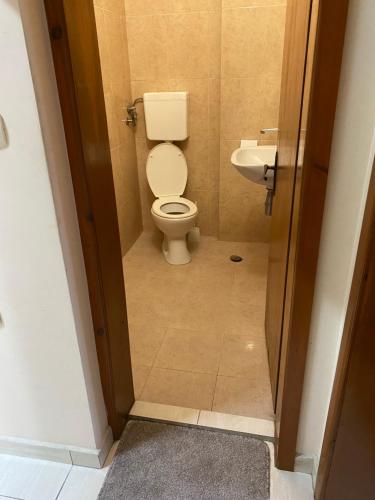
(235, 258)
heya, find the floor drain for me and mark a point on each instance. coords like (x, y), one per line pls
(235, 258)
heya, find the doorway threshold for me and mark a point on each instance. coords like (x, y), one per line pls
(257, 427)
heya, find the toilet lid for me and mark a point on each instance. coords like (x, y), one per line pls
(166, 170)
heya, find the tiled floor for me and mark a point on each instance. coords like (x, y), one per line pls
(196, 331)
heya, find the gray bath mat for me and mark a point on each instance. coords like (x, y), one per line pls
(169, 462)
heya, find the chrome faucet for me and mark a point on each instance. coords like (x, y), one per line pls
(131, 120)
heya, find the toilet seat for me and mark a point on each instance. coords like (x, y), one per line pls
(166, 170)
(188, 208)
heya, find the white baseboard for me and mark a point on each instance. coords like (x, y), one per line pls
(85, 457)
(307, 464)
(304, 463)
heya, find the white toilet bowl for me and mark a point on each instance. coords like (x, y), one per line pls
(175, 217)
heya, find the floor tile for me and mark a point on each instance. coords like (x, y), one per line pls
(243, 396)
(289, 485)
(165, 412)
(140, 375)
(83, 483)
(188, 350)
(244, 356)
(31, 479)
(145, 342)
(198, 307)
(255, 426)
(249, 288)
(171, 387)
(245, 319)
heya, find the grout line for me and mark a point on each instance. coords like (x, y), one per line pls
(185, 371)
(199, 416)
(65, 480)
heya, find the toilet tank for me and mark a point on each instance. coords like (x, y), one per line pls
(166, 115)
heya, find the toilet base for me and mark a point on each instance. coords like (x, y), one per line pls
(175, 251)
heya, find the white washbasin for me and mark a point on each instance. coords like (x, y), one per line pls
(250, 162)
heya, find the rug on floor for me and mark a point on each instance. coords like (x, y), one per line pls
(170, 462)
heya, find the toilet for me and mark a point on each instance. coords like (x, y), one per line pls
(166, 117)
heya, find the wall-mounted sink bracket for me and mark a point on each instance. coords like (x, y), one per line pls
(271, 189)
(131, 120)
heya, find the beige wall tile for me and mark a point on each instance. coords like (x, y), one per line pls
(196, 5)
(146, 195)
(243, 219)
(214, 108)
(252, 41)
(214, 44)
(103, 48)
(230, 4)
(188, 44)
(117, 49)
(214, 163)
(148, 45)
(198, 105)
(227, 54)
(116, 6)
(147, 7)
(112, 38)
(144, 7)
(125, 176)
(196, 154)
(115, 101)
(247, 105)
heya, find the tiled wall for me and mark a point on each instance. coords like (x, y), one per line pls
(175, 45)
(113, 47)
(228, 55)
(252, 42)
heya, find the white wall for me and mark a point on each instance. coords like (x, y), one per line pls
(49, 380)
(351, 161)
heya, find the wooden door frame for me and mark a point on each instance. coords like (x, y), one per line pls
(77, 67)
(364, 254)
(306, 226)
(81, 94)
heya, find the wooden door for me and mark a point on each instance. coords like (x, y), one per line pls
(347, 462)
(77, 66)
(292, 90)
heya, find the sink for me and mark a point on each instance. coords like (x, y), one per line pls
(250, 162)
